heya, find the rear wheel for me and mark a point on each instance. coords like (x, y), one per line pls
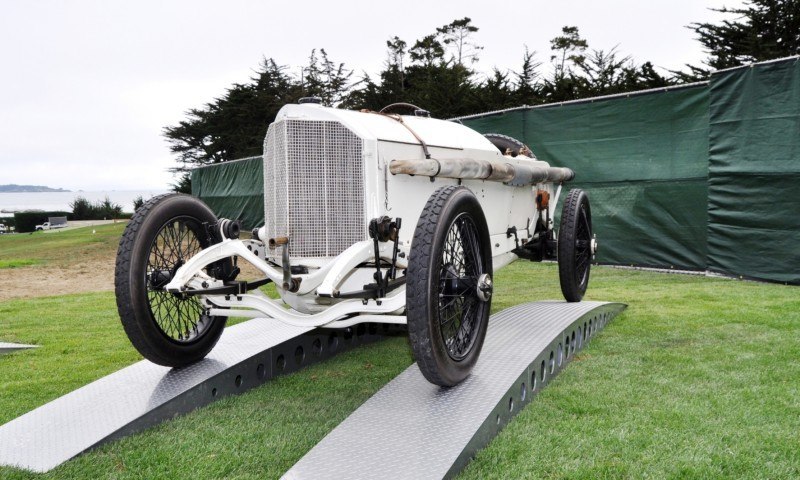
(575, 245)
(449, 286)
(166, 328)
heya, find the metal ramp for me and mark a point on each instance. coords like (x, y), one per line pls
(6, 347)
(145, 394)
(413, 429)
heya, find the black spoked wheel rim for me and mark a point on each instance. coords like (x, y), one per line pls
(459, 308)
(583, 248)
(182, 319)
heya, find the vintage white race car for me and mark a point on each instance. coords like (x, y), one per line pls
(369, 217)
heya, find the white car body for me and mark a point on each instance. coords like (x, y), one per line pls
(326, 175)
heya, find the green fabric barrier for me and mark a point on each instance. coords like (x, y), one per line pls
(233, 190)
(754, 172)
(642, 160)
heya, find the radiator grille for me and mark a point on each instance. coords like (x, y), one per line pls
(314, 186)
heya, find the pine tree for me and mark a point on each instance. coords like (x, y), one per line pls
(761, 30)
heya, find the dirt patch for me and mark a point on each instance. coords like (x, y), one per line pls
(91, 275)
(45, 281)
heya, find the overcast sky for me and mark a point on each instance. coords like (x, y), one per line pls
(87, 86)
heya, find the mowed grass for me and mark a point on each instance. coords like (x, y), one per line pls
(17, 262)
(61, 248)
(699, 378)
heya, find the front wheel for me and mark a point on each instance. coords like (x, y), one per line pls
(449, 286)
(575, 245)
(166, 328)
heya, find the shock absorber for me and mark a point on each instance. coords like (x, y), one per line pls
(290, 283)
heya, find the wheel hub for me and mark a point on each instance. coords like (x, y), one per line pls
(485, 287)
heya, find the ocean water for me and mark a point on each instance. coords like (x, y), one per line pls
(59, 201)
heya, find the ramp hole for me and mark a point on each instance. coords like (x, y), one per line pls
(261, 372)
(510, 404)
(572, 345)
(316, 347)
(566, 341)
(552, 361)
(333, 342)
(299, 355)
(280, 362)
(580, 339)
(544, 372)
(238, 381)
(585, 331)
(533, 380)
(560, 354)
(590, 328)
(523, 392)
(213, 392)
(498, 419)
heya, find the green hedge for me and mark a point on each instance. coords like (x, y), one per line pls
(27, 221)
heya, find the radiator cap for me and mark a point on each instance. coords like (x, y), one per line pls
(314, 100)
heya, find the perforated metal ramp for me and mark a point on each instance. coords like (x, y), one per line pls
(413, 429)
(144, 394)
(13, 347)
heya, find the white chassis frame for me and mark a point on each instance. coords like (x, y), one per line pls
(323, 282)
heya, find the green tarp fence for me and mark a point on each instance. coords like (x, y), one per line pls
(642, 159)
(754, 172)
(701, 177)
(233, 190)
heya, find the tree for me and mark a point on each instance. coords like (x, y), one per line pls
(761, 30)
(457, 35)
(568, 47)
(325, 78)
(527, 89)
(435, 72)
(234, 125)
(427, 51)
(568, 52)
(138, 202)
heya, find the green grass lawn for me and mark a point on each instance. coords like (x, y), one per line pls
(60, 247)
(699, 378)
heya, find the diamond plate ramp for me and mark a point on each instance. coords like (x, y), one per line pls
(13, 347)
(145, 394)
(413, 429)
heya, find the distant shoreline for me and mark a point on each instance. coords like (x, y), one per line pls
(14, 188)
(60, 201)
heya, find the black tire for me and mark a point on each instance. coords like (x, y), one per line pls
(575, 245)
(446, 332)
(165, 328)
(504, 143)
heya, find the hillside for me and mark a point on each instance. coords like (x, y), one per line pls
(14, 188)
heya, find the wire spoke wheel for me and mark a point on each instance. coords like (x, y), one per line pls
(448, 287)
(167, 328)
(182, 319)
(583, 247)
(575, 246)
(458, 280)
